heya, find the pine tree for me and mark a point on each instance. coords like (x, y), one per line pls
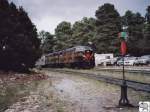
(5, 21)
(83, 31)
(135, 25)
(146, 47)
(48, 42)
(18, 36)
(108, 26)
(63, 34)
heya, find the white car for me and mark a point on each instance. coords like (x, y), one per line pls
(144, 60)
(111, 61)
(128, 61)
(131, 61)
(120, 62)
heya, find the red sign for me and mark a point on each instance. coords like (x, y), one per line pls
(123, 48)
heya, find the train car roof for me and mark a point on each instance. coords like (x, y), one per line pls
(76, 49)
(82, 48)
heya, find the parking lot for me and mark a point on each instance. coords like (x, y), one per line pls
(109, 59)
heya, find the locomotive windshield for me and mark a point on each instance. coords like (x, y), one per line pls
(82, 48)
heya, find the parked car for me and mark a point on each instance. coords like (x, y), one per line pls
(144, 60)
(106, 62)
(120, 61)
(131, 61)
(111, 61)
(115, 60)
(128, 61)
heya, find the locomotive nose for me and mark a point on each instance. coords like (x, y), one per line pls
(88, 55)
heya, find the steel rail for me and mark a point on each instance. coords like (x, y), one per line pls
(138, 86)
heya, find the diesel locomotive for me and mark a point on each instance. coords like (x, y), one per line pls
(75, 57)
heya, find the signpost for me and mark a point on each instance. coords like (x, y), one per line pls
(123, 98)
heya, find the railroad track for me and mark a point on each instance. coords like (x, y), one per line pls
(146, 72)
(139, 86)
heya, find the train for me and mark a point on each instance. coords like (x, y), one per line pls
(75, 57)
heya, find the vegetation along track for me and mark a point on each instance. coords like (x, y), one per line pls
(139, 86)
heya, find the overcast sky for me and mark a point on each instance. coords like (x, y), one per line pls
(47, 14)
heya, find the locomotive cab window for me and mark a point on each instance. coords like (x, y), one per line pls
(88, 51)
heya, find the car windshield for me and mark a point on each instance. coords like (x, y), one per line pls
(131, 58)
(144, 57)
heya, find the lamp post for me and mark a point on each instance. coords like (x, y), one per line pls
(123, 98)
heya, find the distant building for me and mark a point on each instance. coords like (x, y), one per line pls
(101, 59)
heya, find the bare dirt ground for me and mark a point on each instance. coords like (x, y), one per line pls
(59, 92)
(139, 75)
(87, 95)
(24, 93)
